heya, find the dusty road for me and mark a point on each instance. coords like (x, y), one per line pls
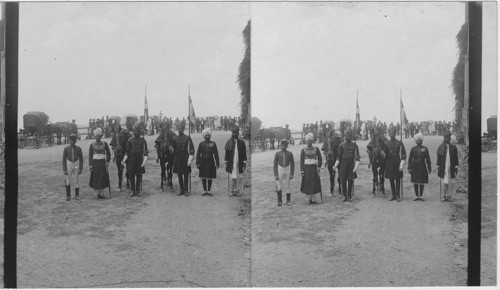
(489, 219)
(157, 240)
(370, 242)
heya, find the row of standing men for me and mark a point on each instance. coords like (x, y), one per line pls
(387, 160)
(175, 154)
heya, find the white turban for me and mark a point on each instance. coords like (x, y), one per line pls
(309, 136)
(98, 131)
(206, 132)
(418, 136)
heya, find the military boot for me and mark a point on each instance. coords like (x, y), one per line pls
(68, 192)
(77, 193)
(288, 197)
(280, 198)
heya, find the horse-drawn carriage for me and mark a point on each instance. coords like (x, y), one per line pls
(113, 125)
(327, 128)
(129, 121)
(36, 131)
(258, 140)
(344, 125)
(489, 139)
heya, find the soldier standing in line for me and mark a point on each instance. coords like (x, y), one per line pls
(136, 157)
(72, 166)
(236, 160)
(348, 159)
(419, 166)
(284, 166)
(99, 157)
(207, 161)
(447, 165)
(183, 150)
(330, 149)
(119, 145)
(394, 162)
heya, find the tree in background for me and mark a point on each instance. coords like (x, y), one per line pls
(458, 83)
(256, 124)
(244, 82)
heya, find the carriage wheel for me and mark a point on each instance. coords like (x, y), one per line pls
(485, 144)
(253, 144)
(20, 143)
(37, 141)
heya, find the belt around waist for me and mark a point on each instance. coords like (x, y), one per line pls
(207, 155)
(98, 156)
(311, 162)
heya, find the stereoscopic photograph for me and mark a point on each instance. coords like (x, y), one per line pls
(248, 144)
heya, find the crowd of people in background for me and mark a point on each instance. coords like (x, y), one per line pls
(320, 129)
(223, 123)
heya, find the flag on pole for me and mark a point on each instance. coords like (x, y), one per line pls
(146, 109)
(404, 120)
(192, 116)
(358, 119)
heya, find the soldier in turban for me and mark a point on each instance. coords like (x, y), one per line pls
(419, 166)
(99, 156)
(310, 166)
(447, 164)
(207, 161)
(183, 155)
(348, 159)
(136, 157)
(394, 162)
(236, 160)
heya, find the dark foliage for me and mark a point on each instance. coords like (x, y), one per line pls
(457, 82)
(244, 81)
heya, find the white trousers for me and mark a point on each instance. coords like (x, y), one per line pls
(73, 174)
(283, 183)
(448, 189)
(236, 183)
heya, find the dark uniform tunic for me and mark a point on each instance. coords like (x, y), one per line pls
(99, 177)
(395, 152)
(348, 155)
(310, 181)
(137, 148)
(183, 147)
(207, 158)
(419, 163)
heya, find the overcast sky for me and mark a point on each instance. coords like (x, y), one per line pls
(87, 60)
(310, 59)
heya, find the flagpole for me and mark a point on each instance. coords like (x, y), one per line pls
(357, 121)
(401, 114)
(145, 120)
(189, 127)
(401, 129)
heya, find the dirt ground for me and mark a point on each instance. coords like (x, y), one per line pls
(489, 219)
(161, 240)
(370, 242)
(157, 240)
